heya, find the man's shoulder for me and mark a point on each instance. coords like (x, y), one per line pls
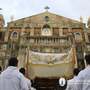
(20, 75)
(84, 71)
(82, 74)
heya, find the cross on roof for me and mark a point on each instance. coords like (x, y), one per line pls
(0, 11)
(0, 8)
(47, 8)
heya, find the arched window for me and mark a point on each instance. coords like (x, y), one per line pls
(78, 36)
(46, 30)
(14, 35)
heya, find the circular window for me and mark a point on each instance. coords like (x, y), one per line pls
(46, 18)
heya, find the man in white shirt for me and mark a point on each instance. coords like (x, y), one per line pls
(84, 76)
(72, 83)
(11, 78)
(22, 70)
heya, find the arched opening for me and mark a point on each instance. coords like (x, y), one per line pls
(46, 30)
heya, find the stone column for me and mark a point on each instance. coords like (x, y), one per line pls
(86, 37)
(32, 32)
(60, 31)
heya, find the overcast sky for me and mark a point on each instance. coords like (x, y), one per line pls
(23, 8)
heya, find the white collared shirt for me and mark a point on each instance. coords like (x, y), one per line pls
(12, 79)
(29, 84)
(84, 79)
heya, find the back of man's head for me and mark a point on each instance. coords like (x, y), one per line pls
(0, 68)
(22, 70)
(76, 71)
(87, 58)
(13, 61)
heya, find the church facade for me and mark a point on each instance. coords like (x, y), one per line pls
(44, 32)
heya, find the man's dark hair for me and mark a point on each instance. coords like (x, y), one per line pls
(76, 71)
(87, 58)
(22, 70)
(0, 68)
(13, 61)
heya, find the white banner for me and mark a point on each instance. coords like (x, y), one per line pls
(53, 65)
(49, 58)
